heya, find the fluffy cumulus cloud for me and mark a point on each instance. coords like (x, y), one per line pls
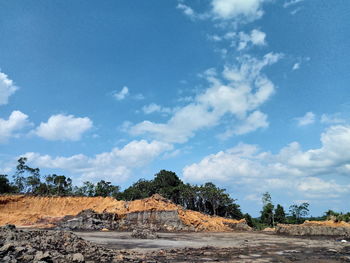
(116, 165)
(238, 92)
(10, 127)
(291, 168)
(7, 88)
(307, 119)
(121, 94)
(232, 9)
(63, 127)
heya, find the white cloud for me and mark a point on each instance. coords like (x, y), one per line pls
(256, 37)
(139, 96)
(241, 39)
(215, 38)
(186, 9)
(254, 121)
(241, 11)
(295, 11)
(116, 165)
(153, 107)
(121, 94)
(296, 66)
(307, 119)
(9, 128)
(233, 9)
(291, 3)
(7, 88)
(289, 169)
(63, 127)
(225, 165)
(317, 186)
(300, 61)
(332, 119)
(239, 93)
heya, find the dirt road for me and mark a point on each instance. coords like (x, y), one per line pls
(226, 247)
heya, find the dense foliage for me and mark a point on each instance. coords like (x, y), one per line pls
(206, 198)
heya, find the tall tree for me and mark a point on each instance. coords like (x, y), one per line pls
(27, 184)
(267, 215)
(298, 212)
(280, 215)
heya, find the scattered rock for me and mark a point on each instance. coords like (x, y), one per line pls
(42, 256)
(7, 247)
(49, 246)
(89, 220)
(144, 233)
(78, 257)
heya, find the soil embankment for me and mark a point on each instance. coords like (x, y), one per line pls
(33, 211)
(316, 228)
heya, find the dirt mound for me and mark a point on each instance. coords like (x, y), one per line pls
(34, 211)
(329, 223)
(315, 228)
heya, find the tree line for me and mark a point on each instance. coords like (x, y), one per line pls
(206, 198)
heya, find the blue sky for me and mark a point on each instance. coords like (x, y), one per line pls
(252, 95)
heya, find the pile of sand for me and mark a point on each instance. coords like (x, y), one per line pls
(35, 211)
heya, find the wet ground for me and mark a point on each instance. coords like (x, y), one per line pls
(226, 247)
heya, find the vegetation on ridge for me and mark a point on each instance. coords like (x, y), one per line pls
(206, 198)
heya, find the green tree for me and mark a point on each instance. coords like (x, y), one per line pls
(139, 190)
(280, 215)
(19, 179)
(167, 184)
(267, 213)
(58, 185)
(231, 210)
(188, 196)
(5, 186)
(298, 212)
(105, 189)
(249, 220)
(87, 189)
(27, 184)
(212, 196)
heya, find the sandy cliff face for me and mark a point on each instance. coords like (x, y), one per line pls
(42, 211)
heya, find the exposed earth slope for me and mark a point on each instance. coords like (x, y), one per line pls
(35, 211)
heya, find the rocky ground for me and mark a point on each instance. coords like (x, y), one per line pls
(51, 246)
(61, 246)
